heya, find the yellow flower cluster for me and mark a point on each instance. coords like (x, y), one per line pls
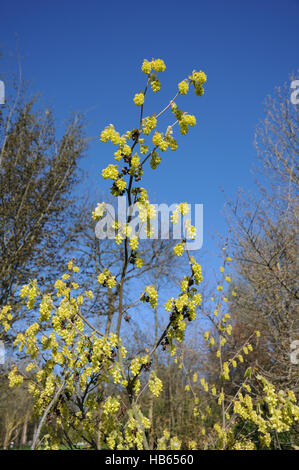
(135, 161)
(6, 317)
(181, 302)
(190, 230)
(155, 384)
(245, 444)
(157, 65)
(31, 292)
(136, 364)
(99, 211)
(179, 249)
(111, 406)
(139, 263)
(185, 284)
(182, 209)
(197, 271)
(111, 172)
(150, 295)
(149, 123)
(106, 279)
(15, 379)
(163, 142)
(155, 160)
(198, 79)
(185, 120)
(205, 384)
(139, 99)
(120, 184)
(282, 411)
(109, 133)
(146, 212)
(143, 147)
(183, 87)
(155, 85)
(146, 67)
(134, 242)
(169, 304)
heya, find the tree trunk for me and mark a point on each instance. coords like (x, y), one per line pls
(24, 431)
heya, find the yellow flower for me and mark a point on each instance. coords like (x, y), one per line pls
(134, 242)
(155, 384)
(110, 172)
(157, 138)
(126, 150)
(99, 211)
(139, 262)
(70, 265)
(192, 445)
(191, 230)
(89, 294)
(102, 278)
(156, 85)
(221, 398)
(118, 239)
(183, 87)
(139, 99)
(199, 77)
(111, 282)
(135, 161)
(163, 145)
(179, 249)
(149, 123)
(169, 304)
(146, 67)
(121, 184)
(184, 208)
(158, 65)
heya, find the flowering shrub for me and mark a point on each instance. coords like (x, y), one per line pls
(72, 364)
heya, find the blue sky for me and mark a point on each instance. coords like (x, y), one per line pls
(86, 55)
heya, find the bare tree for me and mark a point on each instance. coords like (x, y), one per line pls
(37, 174)
(264, 242)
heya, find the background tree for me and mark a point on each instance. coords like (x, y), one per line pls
(16, 409)
(264, 244)
(38, 173)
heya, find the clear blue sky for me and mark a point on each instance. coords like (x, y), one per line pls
(86, 55)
